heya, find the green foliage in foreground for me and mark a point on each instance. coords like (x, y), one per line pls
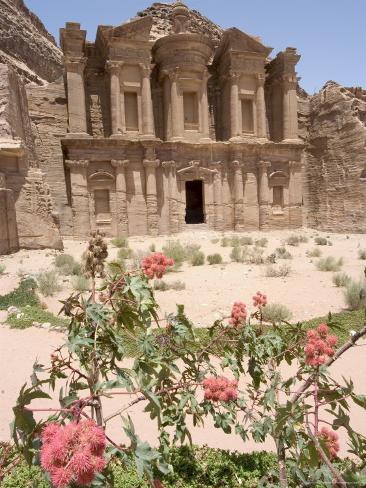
(34, 314)
(22, 296)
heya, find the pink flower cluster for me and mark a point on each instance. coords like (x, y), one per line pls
(220, 389)
(320, 345)
(331, 441)
(259, 300)
(238, 314)
(73, 453)
(155, 265)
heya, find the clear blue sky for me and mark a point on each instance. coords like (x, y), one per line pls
(329, 34)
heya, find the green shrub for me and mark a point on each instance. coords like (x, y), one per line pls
(341, 280)
(175, 250)
(214, 258)
(117, 266)
(355, 295)
(48, 283)
(177, 285)
(35, 313)
(321, 241)
(314, 253)
(120, 242)
(361, 254)
(236, 255)
(161, 285)
(276, 313)
(80, 283)
(190, 251)
(197, 258)
(22, 296)
(24, 476)
(261, 242)
(2, 269)
(271, 258)
(329, 264)
(283, 253)
(215, 241)
(124, 253)
(225, 242)
(253, 256)
(278, 271)
(246, 241)
(67, 265)
(293, 240)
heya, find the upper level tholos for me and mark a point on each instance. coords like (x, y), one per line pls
(180, 87)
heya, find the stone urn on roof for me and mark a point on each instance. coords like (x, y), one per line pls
(180, 18)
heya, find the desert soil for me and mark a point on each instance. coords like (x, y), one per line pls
(209, 293)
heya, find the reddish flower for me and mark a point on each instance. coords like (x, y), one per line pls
(331, 441)
(238, 314)
(259, 300)
(155, 265)
(73, 453)
(220, 389)
(320, 345)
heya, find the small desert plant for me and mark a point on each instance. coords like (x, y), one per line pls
(314, 253)
(2, 269)
(293, 240)
(261, 242)
(152, 247)
(214, 258)
(117, 266)
(175, 250)
(161, 285)
(271, 258)
(48, 283)
(236, 255)
(276, 313)
(234, 241)
(124, 253)
(341, 280)
(355, 295)
(177, 285)
(215, 241)
(329, 264)
(67, 265)
(246, 241)
(321, 241)
(278, 271)
(80, 283)
(283, 253)
(253, 256)
(225, 242)
(362, 254)
(197, 258)
(120, 242)
(190, 251)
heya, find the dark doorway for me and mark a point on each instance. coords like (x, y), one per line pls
(194, 199)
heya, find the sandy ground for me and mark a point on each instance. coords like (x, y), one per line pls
(210, 291)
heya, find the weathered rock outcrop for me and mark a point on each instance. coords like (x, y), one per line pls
(29, 220)
(26, 45)
(335, 159)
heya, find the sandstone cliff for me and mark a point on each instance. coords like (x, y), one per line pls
(26, 45)
(335, 158)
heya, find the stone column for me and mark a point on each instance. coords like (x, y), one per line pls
(146, 103)
(114, 68)
(295, 194)
(238, 196)
(263, 193)
(217, 190)
(261, 108)
(176, 110)
(290, 121)
(76, 96)
(205, 129)
(234, 105)
(171, 172)
(251, 207)
(120, 166)
(79, 197)
(150, 166)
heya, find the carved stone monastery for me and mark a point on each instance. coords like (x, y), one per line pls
(165, 122)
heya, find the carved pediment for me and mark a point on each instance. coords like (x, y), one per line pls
(137, 30)
(236, 40)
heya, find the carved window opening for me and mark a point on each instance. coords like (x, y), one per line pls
(363, 175)
(190, 107)
(194, 202)
(278, 196)
(131, 111)
(247, 116)
(102, 205)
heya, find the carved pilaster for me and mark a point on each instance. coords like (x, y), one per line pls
(2, 181)
(217, 190)
(263, 193)
(79, 197)
(238, 195)
(295, 194)
(150, 166)
(146, 103)
(234, 78)
(114, 68)
(205, 129)
(261, 108)
(176, 109)
(290, 119)
(120, 166)
(76, 95)
(170, 169)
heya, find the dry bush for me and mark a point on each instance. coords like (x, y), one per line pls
(276, 313)
(2, 269)
(321, 241)
(175, 250)
(66, 265)
(80, 283)
(362, 254)
(355, 295)
(214, 258)
(48, 283)
(120, 242)
(278, 271)
(161, 285)
(283, 253)
(329, 264)
(197, 258)
(314, 253)
(124, 253)
(261, 242)
(341, 280)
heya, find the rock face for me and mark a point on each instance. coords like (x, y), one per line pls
(335, 159)
(29, 220)
(26, 45)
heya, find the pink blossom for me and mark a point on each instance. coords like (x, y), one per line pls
(238, 314)
(259, 300)
(220, 389)
(155, 265)
(320, 346)
(74, 453)
(331, 441)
